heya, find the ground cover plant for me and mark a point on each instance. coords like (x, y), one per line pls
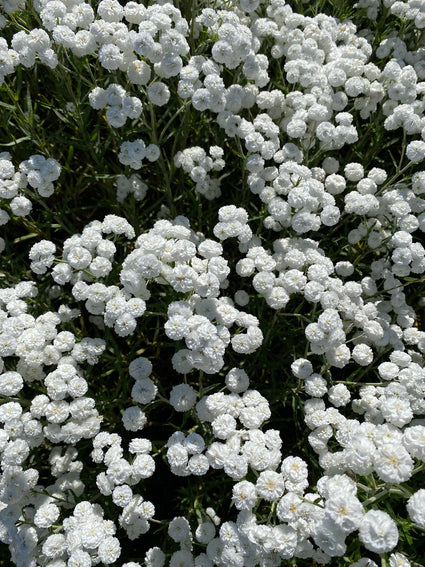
(212, 283)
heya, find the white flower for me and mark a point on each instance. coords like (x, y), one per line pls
(288, 507)
(143, 466)
(253, 417)
(79, 257)
(177, 455)
(152, 152)
(302, 368)
(158, 93)
(132, 153)
(179, 529)
(140, 368)
(79, 558)
(122, 495)
(237, 380)
(396, 410)
(378, 532)
(399, 560)
(46, 515)
(415, 151)
(345, 510)
(388, 370)
(236, 466)
(338, 356)
(198, 465)
(277, 297)
(335, 184)
(125, 324)
(362, 354)
(294, 469)
(181, 558)
(339, 395)
(330, 538)
(84, 43)
(270, 485)
(110, 56)
(21, 206)
(57, 411)
(54, 546)
(134, 419)
(416, 507)
(263, 281)
(181, 361)
(284, 540)
(176, 327)
(139, 72)
(154, 557)
(144, 391)
(354, 171)
(115, 116)
(414, 441)
(140, 446)
(11, 383)
(182, 397)
(205, 532)
(110, 10)
(119, 470)
(244, 495)
(208, 285)
(109, 550)
(364, 562)
(315, 385)
(183, 278)
(223, 426)
(132, 106)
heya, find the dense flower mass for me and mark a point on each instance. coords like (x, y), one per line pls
(212, 283)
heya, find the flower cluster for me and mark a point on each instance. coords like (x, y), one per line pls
(120, 107)
(132, 185)
(198, 164)
(59, 412)
(26, 49)
(133, 153)
(121, 475)
(37, 172)
(267, 273)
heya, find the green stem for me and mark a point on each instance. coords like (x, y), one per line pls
(164, 170)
